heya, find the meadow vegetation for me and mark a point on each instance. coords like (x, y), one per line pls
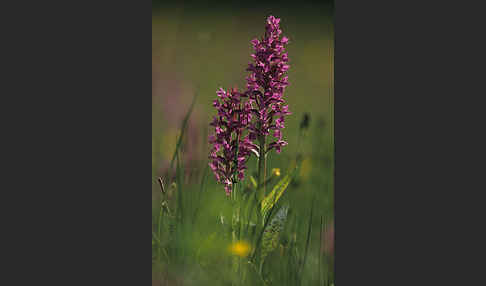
(276, 229)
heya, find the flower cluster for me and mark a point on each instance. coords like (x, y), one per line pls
(244, 117)
(230, 148)
(266, 84)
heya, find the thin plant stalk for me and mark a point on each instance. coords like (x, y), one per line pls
(262, 166)
(307, 242)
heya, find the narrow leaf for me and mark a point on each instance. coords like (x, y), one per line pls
(272, 232)
(271, 199)
(253, 182)
(184, 125)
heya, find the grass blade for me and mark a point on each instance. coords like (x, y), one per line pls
(179, 178)
(201, 189)
(309, 230)
(183, 128)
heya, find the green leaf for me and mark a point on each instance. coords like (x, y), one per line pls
(272, 232)
(271, 199)
(253, 182)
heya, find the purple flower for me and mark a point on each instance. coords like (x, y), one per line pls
(267, 82)
(277, 145)
(230, 148)
(243, 118)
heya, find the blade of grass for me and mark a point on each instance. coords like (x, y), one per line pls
(201, 190)
(253, 202)
(159, 230)
(179, 174)
(183, 128)
(154, 236)
(309, 230)
(254, 268)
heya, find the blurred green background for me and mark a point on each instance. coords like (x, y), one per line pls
(199, 47)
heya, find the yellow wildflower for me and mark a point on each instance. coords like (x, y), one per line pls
(240, 248)
(305, 168)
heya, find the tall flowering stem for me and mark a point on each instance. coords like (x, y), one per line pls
(246, 119)
(266, 84)
(230, 147)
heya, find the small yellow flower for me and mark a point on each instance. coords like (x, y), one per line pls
(276, 172)
(306, 168)
(240, 248)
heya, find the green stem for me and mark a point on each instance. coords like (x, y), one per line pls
(262, 166)
(159, 231)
